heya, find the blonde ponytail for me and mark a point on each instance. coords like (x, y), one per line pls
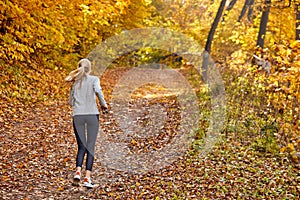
(84, 68)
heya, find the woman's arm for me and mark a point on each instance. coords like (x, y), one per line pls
(99, 93)
(71, 97)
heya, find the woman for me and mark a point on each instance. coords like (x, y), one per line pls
(83, 94)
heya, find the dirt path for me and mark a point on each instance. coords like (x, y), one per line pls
(38, 154)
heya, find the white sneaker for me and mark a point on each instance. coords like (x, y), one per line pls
(76, 179)
(87, 182)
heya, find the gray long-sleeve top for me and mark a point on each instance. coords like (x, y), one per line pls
(83, 96)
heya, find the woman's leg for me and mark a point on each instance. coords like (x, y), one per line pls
(92, 132)
(79, 129)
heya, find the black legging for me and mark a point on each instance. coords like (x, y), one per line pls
(86, 142)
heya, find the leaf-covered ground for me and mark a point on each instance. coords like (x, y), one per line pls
(38, 150)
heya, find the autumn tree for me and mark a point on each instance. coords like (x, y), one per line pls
(297, 8)
(231, 4)
(209, 40)
(263, 24)
(248, 5)
(296, 5)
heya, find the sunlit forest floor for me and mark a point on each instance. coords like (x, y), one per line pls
(38, 151)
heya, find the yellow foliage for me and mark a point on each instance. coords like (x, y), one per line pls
(52, 31)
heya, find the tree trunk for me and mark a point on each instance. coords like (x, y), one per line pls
(244, 9)
(231, 4)
(263, 24)
(297, 21)
(229, 7)
(250, 11)
(210, 39)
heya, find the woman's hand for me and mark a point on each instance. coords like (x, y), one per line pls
(104, 109)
